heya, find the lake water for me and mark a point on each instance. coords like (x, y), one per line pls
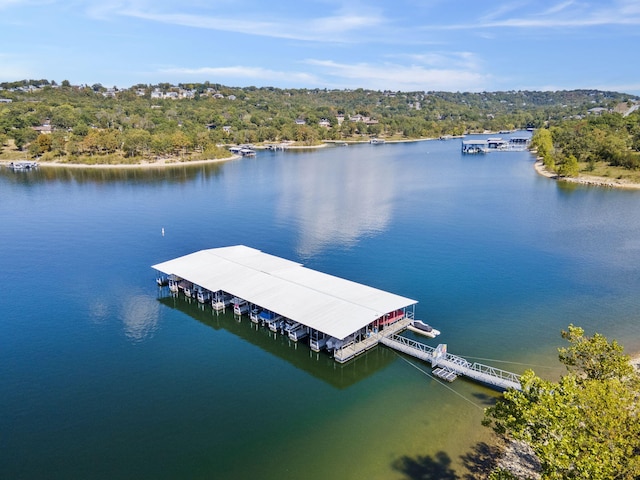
(103, 376)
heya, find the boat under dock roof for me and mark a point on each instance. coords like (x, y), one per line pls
(323, 302)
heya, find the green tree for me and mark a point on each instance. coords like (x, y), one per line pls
(569, 167)
(136, 142)
(586, 425)
(63, 116)
(180, 142)
(542, 142)
(23, 136)
(594, 357)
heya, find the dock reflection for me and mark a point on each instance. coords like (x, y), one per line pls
(174, 174)
(320, 365)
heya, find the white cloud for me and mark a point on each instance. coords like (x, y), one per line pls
(394, 76)
(425, 73)
(569, 14)
(335, 27)
(258, 75)
(457, 60)
(4, 4)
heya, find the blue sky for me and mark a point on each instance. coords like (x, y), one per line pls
(396, 45)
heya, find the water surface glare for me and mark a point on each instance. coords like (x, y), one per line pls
(104, 377)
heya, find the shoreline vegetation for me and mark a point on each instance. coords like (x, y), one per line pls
(176, 161)
(591, 180)
(517, 457)
(149, 126)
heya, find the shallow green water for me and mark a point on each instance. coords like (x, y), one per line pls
(104, 377)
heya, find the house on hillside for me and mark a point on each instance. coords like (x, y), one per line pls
(45, 128)
(597, 110)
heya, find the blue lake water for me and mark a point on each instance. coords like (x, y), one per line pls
(104, 377)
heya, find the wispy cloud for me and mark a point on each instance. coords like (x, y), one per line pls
(395, 76)
(569, 14)
(254, 74)
(440, 59)
(22, 3)
(339, 26)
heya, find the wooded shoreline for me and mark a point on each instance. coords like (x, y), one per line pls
(586, 179)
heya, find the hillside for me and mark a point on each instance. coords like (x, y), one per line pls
(95, 124)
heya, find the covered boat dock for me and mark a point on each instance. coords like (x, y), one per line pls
(343, 316)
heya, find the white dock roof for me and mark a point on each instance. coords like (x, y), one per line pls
(332, 305)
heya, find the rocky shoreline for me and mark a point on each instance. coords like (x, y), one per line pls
(586, 179)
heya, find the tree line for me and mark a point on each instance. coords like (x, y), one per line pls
(101, 124)
(586, 425)
(569, 146)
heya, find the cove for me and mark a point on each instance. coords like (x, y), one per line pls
(104, 377)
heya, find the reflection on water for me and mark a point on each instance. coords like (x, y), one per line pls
(338, 200)
(99, 310)
(170, 174)
(319, 365)
(139, 314)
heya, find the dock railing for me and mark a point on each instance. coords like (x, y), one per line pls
(477, 371)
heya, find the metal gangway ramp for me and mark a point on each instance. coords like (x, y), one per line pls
(448, 366)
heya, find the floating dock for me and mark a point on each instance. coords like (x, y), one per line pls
(335, 312)
(496, 144)
(345, 317)
(23, 165)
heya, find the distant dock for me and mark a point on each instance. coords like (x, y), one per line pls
(496, 144)
(23, 165)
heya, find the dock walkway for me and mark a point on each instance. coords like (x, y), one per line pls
(448, 366)
(445, 365)
(353, 349)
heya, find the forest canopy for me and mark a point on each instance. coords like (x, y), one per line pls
(587, 424)
(63, 122)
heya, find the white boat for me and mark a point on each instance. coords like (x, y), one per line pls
(254, 315)
(273, 321)
(276, 324)
(203, 295)
(298, 332)
(289, 325)
(174, 283)
(376, 141)
(240, 306)
(318, 340)
(422, 328)
(247, 152)
(24, 165)
(220, 301)
(267, 317)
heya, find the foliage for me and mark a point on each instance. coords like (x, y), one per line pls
(569, 167)
(608, 138)
(501, 474)
(189, 119)
(594, 357)
(586, 425)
